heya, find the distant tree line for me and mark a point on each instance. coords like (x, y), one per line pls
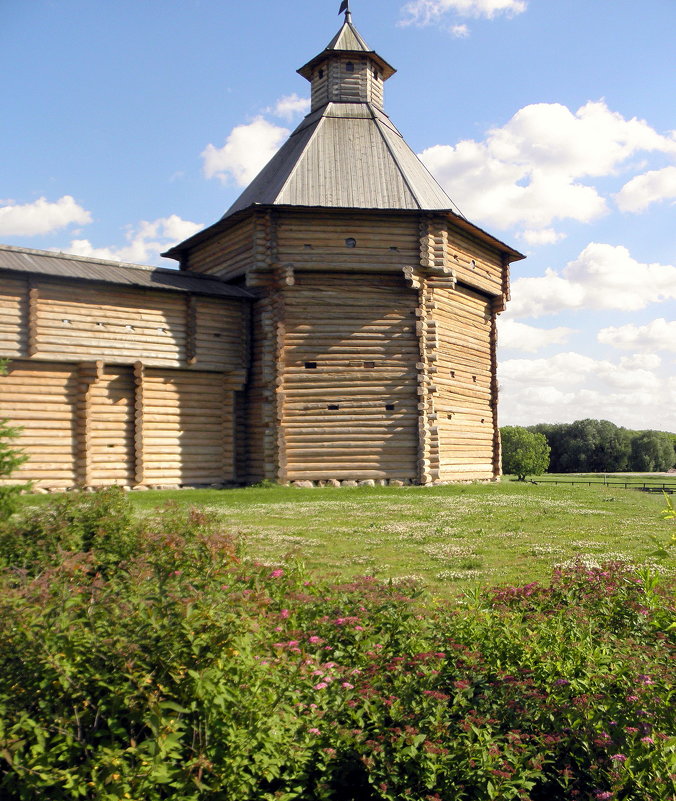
(599, 446)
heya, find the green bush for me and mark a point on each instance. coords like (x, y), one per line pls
(183, 673)
(100, 523)
(524, 453)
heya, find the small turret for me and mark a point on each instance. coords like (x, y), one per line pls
(347, 70)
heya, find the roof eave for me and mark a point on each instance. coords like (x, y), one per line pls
(387, 69)
(226, 222)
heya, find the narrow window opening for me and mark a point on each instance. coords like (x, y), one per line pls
(483, 420)
(129, 327)
(369, 365)
(217, 335)
(307, 246)
(349, 67)
(332, 407)
(310, 365)
(321, 73)
(393, 247)
(472, 264)
(65, 322)
(474, 378)
(452, 373)
(389, 407)
(375, 74)
(450, 415)
(350, 242)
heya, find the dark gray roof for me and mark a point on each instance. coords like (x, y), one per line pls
(345, 155)
(63, 265)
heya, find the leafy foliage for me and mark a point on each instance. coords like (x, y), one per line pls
(179, 671)
(601, 446)
(524, 453)
(10, 459)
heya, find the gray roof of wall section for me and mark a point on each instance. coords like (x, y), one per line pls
(345, 155)
(48, 264)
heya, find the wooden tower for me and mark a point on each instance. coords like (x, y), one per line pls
(374, 327)
(336, 325)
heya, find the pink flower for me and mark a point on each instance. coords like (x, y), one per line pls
(603, 795)
(359, 628)
(648, 740)
(619, 757)
(284, 613)
(321, 686)
(347, 685)
(277, 573)
(314, 731)
(315, 640)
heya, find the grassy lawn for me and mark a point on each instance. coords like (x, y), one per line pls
(448, 538)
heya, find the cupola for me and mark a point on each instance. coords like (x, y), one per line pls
(347, 71)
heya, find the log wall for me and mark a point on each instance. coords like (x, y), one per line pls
(67, 321)
(118, 385)
(464, 397)
(349, 402)
(95, 425)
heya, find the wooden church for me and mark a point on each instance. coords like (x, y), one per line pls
(336, 325)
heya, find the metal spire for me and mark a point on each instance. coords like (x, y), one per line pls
(345, 6)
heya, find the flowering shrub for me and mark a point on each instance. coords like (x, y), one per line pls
(176, 671)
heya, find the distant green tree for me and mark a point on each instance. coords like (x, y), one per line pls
(524, 453)
(10, 459)
(652, 451)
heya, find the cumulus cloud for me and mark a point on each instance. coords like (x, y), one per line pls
(428, 12)
(571, 386)
(245, 152)
(529, 338)
(656, 335)
(290, 106)
(530, 172)
(602, 277)
(145, 241)
(41, 216)
(644, 190)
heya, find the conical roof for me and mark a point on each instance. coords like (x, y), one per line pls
(346, 153)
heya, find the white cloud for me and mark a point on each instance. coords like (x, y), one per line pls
(41, 216)
(644, 190)
(656, 335)
(245, 152)
(528, 338)
(530, 172)
(428, 12)
(572, 386)
(641, 361)
(145, 241)
(543, 236)
(459, 31)
(290, 106)
(602, 277)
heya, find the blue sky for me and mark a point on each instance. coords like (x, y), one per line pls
(129, 124)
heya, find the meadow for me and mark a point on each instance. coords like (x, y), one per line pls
(447, 539)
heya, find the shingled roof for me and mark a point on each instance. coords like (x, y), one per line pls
(347, 153)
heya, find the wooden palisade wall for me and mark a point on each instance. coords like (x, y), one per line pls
(121, 385)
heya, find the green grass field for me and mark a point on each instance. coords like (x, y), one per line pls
(448, 538)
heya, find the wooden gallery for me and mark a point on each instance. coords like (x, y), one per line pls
(337, 324)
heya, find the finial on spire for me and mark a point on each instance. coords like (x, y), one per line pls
(345, 7)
